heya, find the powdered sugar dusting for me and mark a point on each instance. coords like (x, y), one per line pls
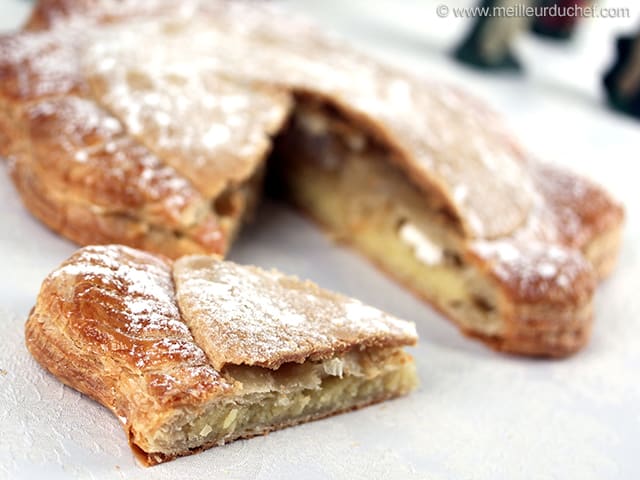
(89, 151)
(544, 256)
(37, 65)
(245, 315)
(205, 84)
(196, 85)
(538, 270)
(169, 93)
(123, 301)
(144, 289)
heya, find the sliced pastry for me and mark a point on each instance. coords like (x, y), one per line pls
(154, 123)
(199, 352)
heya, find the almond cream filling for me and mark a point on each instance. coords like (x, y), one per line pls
(266, 399)
(365, 200)
(424, 249)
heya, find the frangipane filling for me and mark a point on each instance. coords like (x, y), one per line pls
(265, 399)
(349, 182)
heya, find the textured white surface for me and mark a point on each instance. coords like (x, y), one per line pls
(477, 414)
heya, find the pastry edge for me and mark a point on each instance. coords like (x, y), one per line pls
(70, 372)
(564, 340)
(83, 226)
(151, 459)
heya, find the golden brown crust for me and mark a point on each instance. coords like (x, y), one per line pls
(47, 12)
(109, 171)
(107, 323)
(106, 184)
(112, 189)
(86, 226)
(38, 65)
(547, 277)
(420, 122)
(214, 131)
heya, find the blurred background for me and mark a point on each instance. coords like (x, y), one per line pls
(411, 31)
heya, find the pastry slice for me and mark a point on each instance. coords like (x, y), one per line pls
(199, 352)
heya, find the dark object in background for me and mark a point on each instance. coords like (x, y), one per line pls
(558, 25)
(622, 81)
(488, 44)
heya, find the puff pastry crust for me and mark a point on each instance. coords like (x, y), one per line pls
(149, 123)
(200, 352)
